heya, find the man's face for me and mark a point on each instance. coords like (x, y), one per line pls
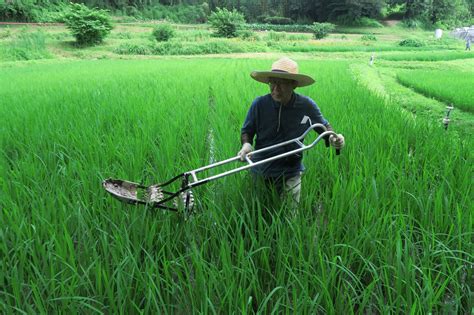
(281, 89)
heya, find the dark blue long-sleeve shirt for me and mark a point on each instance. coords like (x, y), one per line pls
(272, 123)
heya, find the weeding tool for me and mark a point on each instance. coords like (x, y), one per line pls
(158, 196)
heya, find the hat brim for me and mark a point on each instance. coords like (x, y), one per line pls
(264, 76)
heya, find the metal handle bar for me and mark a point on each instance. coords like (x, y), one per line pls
(251, 164)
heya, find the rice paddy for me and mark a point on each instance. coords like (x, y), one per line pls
(386, 227)
(448, 85)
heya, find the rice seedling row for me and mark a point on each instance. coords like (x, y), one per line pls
(450, 86)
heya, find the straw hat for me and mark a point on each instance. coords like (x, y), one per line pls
(284, 68)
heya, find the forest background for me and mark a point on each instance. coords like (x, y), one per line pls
(415, 13)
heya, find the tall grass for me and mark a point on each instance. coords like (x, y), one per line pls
(26, 46)
(453, 86)
(385, 227)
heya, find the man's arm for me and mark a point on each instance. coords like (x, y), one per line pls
(246, 138)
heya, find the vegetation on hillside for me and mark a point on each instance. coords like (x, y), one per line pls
(439, 13)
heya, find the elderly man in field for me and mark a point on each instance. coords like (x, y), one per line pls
(279, 116)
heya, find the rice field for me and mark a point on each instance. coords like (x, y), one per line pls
(386, 227)
(451, 86)
(428, 56)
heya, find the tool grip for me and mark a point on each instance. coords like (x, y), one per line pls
(326, 142)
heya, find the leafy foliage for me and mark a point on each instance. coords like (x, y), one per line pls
(87, 25)
(163, 32)
(321, 30)
(17, 11)
(412, 42)
(280, 28)
(176, 13)
(368, 37)
(226, 23)
(279, 20)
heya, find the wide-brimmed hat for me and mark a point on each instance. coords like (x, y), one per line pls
(284, 68)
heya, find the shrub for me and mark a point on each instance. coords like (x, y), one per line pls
(368, 37)
(226, 23)
(88, 26)
(412, 42)
(279, 20)
(321, 30)
(163, 32)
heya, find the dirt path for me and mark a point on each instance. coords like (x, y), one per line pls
(35, 24)
(391, 22)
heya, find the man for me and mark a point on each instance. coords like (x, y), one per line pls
(279, 116)
(468, 43)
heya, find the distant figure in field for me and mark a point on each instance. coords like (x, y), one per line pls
(468, 43)
(279, 116)
(371, 61)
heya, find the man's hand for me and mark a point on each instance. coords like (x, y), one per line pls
(246, 149)
(337, 141)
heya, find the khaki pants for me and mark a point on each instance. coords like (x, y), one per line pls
(284, 187)
(293, 188)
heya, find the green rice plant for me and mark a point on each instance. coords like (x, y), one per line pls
(385, 227)
(450, 86)
(428, 56)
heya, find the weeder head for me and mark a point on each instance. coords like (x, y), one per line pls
(153, 195)
(132, 192)
(185, 201)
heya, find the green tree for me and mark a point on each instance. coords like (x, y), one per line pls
(321, 30)
(87, 25)
(225, 22)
